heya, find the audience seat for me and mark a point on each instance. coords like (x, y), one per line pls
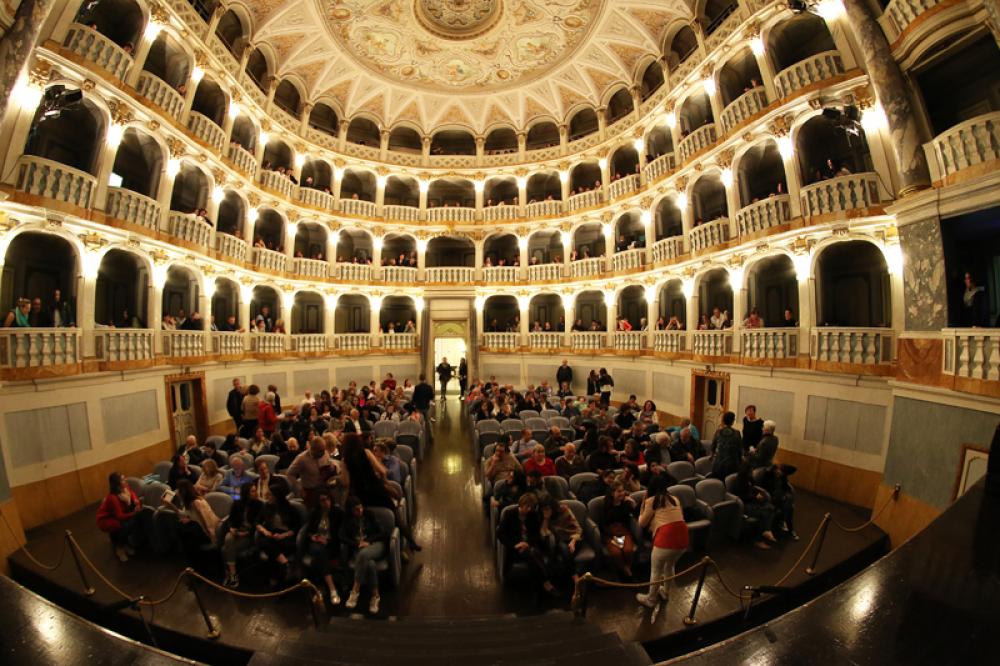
(703, 465)
(247, 460)
(560, 422)
(549, 414)
(697, 515)
(271, 461)
(410, 433)
(512, 426)
(162, 470)
(526, 414)
(683, 471)
(405, 453)
(408, 491)
(221, 503)
(558, 487)
(137, 485)
(577, 480)
(539, 429)
(727, 510)
(596, 510)
(385, 429)
(585, 556)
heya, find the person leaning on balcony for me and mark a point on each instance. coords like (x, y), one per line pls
(788, 319)
(754, 320)
(37, 316)
(60, 312)
(129, 321)
(18, 316)
(975, 306)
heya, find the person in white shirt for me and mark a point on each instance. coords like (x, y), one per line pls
(718, 320)
(524, 447)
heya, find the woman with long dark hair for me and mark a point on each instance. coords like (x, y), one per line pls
(463, 377)
(242, 522)
(198, 523)
(279, 524)
(663, 516)
(118, 515)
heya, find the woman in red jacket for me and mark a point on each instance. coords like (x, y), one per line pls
(117, 514)
(267, 420)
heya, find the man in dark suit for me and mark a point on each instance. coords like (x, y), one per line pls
(423, 397)
(564, 375)
(356, 424)
(234, 404)
(444, 372)
(519, 533)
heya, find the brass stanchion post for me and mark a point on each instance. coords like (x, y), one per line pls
(811, 569)
(213, 624)
(689, 620)
(87, 588)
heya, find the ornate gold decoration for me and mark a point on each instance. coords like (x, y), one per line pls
(121, 113)
(201, 157)
(724, 158)
(248, 280)
(292, 215)
(88, 85)
(92, 240)
(158, 14)
(40, 73)
(751, 31)
(747, 137)
(153, 125)
(175, 146)
(781, 125)
(7, 222)
(219, 176)
(698, 167)
(132, 243)
(863, 97)
(682, 183)
(816, 103)
(159, 257)
(253, 199)
(646, 202)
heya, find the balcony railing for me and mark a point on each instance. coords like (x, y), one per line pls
(660, 167)
(667, 249)
(972, 353)
(125, 344)
(670, 341)
(160, 93)
(98, 49)
(451, 214)
(587, 267)
(54, 180)
(585, 200)
(624, 186)
(133, 207)
(544, 272)
(267, 343)
(277, 182)
(629, 260)
(314, 268)
(206, 130)
(399, 274)
(39, 347)
(494, 274)
(630, 340)
(243, 159)
(545, 339)
(231, 246)
(498, 213)
(186, 227)
(808, 71)
(501, 340)
(268, 260)
(399, 341)
(709, 234)
(450, 274)
(354, 272)
(226, 343)
(743, 107)
(975, 142)
(310, 196)
(902, 13)
(183, 344)
(696, 141)
(771, 212)
(309, 342)
(840, 194)
(353, 341)
(859, 346)
(712, 343)
(401, 213)
(358, 207)
(544, 208)
(769, 343)
(587, 340)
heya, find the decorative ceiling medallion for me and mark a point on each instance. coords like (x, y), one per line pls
(457, 19)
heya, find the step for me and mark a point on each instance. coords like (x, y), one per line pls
(420, 627)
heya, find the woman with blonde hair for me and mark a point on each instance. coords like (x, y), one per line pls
(210, 479)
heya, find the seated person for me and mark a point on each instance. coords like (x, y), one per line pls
(686, 446)
(519, 533)
(569, 463)
(118, 514)
(540, 462)
(509, 492)
(210, 479)
(179, 470)
(322, 541)
(775, 482)
(605, 457)
(242, 522)
(755, 505)
(523, 447)
(501, 463)
(198, 523)
(561, 533)
(279, 524)
(616, 528)
(363, 542)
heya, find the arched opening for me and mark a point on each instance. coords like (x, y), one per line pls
(957, 84)
(245, 133)
(501, 250)
(396, 314)
(545, 247)
(288, 98)
(307, 313)
(588, 241)
(277, 156)
(668, 220)
(317, 175)
(405, 140)
(715, 296)
(852, 286)
(138, 164)
(451, 192)
(652, 80)
(259, 70)
(545, 314)
(715, 12)
(402, 191)
(355, 247)
(632, 307)
(353, 314)
(450, 251)
(399, 250)
(364, 132)
(453, 142)
(269, 230)
(501, 141)
(591, 312)
(168, 62)
(543, 134)
(121, 21)
(324, 118)
(181, 293)
(584, 177)
(624, 162)
(695, 112)
(629, 232)
(659, 142)
(794, 40)
(708, 196)
(501, 190)
(310, 241)
(501, 314)
(544, 186)
(738, 76)
(210, 101)
(772, 288)
(226, 306)
(121, 296)
(583, 123)
(683, 44)
(761, 173)
(827, 148)
(358, 184)
(266, 304)
(672, 303)
(232, 215)
(232, 33)
(191, 189)
(620, 105)
(68, 129)
(36, 265)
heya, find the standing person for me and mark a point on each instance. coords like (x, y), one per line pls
(728, 447)
(234, 404)
(37, 316)
(763, 454)
(444, 372)
(60, 312)
(423, 396)
(250, 410)
(592, 383)
(753, 429)
(117, 515)
(604, 385)
(463, 377)
(663, 516)
(564, 374)
(975, 307)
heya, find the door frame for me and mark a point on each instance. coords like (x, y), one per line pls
(698, 396)
(198, 403)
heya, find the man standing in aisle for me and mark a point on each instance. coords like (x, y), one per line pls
(423, 396)
(564, 375)
(234, 404)
(444, 372)
(604, 386)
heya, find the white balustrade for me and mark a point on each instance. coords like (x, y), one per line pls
(498, 213)
(133, 207)
(98, 49)
(545, 339)
(399, 274)
(354, 272)
(814, 69)
(160, 93)
(547, 208)
(544, 272)
(231, 246)
(670, 341)
(584, 340)
(629, 340)
(243, 159)
(696, 141)
(451, 214)
(585, 200)
(253, 90)
(124, 344)
(712, 343)
(667, 249)
(187, 227)
(451, 274)
(309, 342)
(358, 207)
(285, 119)
(206, 130)
(401, 213)
(769, 343)
(709, 234)
(856, 191)
(500, 340)
(39, 347)
(353, 341)
(659, 167)
(277, 182)
(764, 214)
(743, 108)
(267, 343)
(624, 186)
(494, 274)
(314, 268)
(268, 260)
(629, 260)
(54, 180)
(975, 142)
(183, 344)
(901, 13)
(228, 343)
(399, 341)
(972, 353)
(310, 196)
(860, 346)
(587, 267)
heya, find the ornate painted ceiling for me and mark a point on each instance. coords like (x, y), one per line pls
(473, 63)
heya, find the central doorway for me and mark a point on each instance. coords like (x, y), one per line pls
(188, 411)
(709, 400)
(453, 349)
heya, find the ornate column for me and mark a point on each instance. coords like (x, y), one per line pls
(425, 150)
(566, 234)
(17, 43)
(569, 312)
(479, 187)
(291, 230)
(338, 179)
(780, 127)
(523, 306)
(636, 101)
(714, 99)
(229, 120)
(607, 219)
(522, 142)
(522, 188)
(725, 160)
(479, 244)
(304, 118)
(648, 228)
(259, 145)
(272, 87)
(332, 237)
(611, 305)
(250, 221)
(879, 142)
(342, 135)
(602, 122)
(640, 149)
(675, 130)
(754, 35)
(383, 144)
(480, 148)
(522, 251)
(563, 138)
(382, 176)
(652, 310)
